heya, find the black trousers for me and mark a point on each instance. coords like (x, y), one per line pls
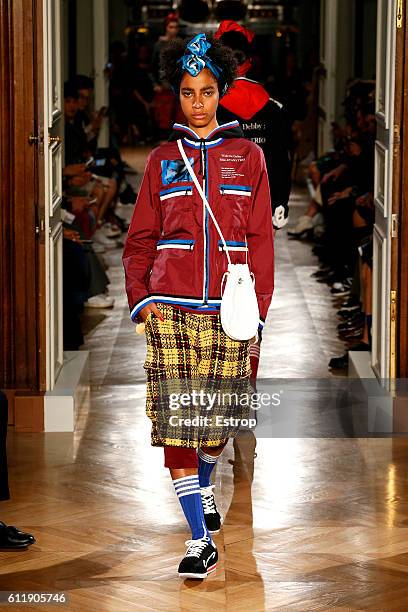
(4, 489)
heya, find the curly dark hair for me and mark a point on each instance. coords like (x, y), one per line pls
(241, 47)
(221, 56)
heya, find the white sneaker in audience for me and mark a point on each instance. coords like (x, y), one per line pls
(100, 301)
(108, 243)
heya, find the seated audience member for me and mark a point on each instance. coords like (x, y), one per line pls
(84, 285)
(108, 170)
(78, 180)
(11, 538)
(76, 143)
(90, 122)
(340, 218)
(108, 162)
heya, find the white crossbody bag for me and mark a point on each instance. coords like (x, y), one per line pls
(239, 307)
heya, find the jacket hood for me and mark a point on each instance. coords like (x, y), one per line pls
(245, 98)
(232, 129)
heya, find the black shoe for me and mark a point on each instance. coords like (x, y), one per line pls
(306, 233)
(339, 363)
(349, 314)
(211, 514)
(353, 332)
(351, 322)
(361, 346)
(351, 302)
(128, 195)
(322, 273)
(200, 559)
(329, 279)
(12, 538)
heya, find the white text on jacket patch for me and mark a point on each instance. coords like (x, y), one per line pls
(230, 171)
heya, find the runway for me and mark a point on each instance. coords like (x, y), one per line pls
(310, 523)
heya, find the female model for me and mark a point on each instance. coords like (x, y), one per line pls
(174, 262)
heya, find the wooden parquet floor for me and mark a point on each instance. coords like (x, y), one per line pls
(310, 524)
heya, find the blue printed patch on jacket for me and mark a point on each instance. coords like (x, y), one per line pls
(175, 171)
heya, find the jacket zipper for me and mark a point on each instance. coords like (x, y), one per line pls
(202, 165)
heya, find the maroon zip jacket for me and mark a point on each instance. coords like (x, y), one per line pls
(173, 252)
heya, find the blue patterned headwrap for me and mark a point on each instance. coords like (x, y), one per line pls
(195, 58)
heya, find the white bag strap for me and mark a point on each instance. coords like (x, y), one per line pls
(202, 194)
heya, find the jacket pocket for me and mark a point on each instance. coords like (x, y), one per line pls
(236, 203)
(178, 243)
(233, 245)
(236, 190)
(174, 266)
(177, 209)
(175, 192)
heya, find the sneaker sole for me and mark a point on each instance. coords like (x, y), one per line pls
(350, 308)
(199, 576)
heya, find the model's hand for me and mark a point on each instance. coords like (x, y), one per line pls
(144, 313)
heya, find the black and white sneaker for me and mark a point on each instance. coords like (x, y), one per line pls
(200, 559)
(211, 515)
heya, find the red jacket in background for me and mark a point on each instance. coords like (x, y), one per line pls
(173, 252)
(264, 121)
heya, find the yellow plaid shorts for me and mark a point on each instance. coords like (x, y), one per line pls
(187, 346)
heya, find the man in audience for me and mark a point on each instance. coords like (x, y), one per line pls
(11, 538)
(91, 123)
(79, 180)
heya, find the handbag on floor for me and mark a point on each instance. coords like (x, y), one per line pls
(239, 307)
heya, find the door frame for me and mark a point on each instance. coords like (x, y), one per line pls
(399, 255)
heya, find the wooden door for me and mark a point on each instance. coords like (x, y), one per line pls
(20, 355)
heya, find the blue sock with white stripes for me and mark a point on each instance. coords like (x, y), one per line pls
(206, 464)
(188, 492)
